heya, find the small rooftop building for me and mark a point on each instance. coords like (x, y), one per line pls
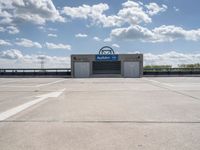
(107, 64)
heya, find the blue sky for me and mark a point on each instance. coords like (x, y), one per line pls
(167, 32)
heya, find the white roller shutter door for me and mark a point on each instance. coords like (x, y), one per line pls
(131, 70)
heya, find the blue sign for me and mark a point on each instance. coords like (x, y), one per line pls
(106, 57)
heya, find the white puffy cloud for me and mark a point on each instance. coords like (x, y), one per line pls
(107, 40)
(33, 61)
(58, 46)
(176, 9)
(80, 35)
(46, 29)
(132, 33)
(52, 35)
(16, 59)
(94, 13)
(10, 29)
(4, 43)
(160, 34)
(5, 14)
(11, 54)
(27, 43)
(35, 11)
(132, 12)
(171, 58)
(2, 29)
(77, 12)
(171, 33)
(154, 8)
(85, 11)
(96, 39)
(115, 45)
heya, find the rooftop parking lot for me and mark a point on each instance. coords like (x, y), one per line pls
(100, 113)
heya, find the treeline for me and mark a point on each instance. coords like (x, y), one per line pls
(157, 66)
(189, 66)
(169, 66)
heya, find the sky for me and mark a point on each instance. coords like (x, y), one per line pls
(165, 31)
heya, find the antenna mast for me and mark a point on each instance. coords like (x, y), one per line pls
(42, 61)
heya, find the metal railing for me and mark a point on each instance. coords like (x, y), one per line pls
(66, 72)
(35, 72)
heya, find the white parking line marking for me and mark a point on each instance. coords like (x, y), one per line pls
(45, 84)
(167, 84)
(22, 107)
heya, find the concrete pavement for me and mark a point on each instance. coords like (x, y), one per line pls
(101, 113)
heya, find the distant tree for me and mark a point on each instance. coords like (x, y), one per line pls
(189, 65)
(157, 66)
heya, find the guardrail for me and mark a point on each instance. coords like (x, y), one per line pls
(66, 72)
(36, 72)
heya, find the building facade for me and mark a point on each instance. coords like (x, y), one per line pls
(107, 64)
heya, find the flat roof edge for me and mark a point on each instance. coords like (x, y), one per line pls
(103, 54)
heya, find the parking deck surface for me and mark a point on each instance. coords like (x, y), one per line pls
(100, 113)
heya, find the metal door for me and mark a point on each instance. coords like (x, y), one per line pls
(106, 67)
(131, 69)
(81, 69)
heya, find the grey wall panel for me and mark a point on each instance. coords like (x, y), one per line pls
(81, 69)
(131, 69)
